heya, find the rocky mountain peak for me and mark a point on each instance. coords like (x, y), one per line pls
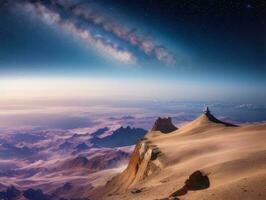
(164, 125)
(211, 118)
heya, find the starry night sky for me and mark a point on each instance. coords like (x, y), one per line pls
(216, 42)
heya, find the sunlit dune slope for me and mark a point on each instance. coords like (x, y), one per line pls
(233, 158)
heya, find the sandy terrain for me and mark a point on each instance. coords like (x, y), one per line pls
(233, 158)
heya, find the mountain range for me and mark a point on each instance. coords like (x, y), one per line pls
(121, 137)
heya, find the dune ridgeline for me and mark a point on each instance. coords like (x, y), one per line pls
(205, 159)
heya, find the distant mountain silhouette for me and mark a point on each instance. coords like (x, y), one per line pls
(10, 193)
(66, 145)
(100, 131)
(8, 150)
(78, 162)
(82, 146)
(105, 160)
(110, 159)
(121, 137)
(32, 194)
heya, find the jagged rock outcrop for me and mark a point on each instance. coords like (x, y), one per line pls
(145, 160)
(164, 125)
(196, 181)
(211, 118)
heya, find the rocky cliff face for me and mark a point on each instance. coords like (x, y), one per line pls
(164, 125)
(145, 160)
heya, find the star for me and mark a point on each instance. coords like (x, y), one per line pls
(248, 6)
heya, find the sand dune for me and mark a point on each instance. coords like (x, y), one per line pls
(233, 158)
